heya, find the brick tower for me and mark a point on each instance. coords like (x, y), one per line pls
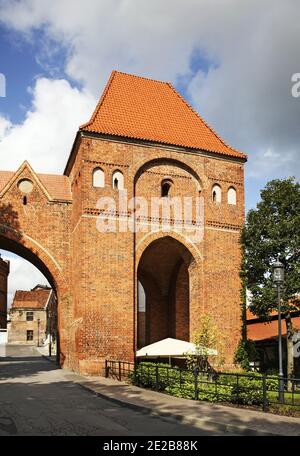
(145, 141)
(125, 271)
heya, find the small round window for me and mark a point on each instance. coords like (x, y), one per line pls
(25, 186)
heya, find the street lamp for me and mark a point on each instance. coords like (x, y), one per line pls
(38, 322)
(278, 279)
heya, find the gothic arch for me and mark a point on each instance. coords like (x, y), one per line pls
(143, 166)
(171, 271)
(32, 251)
(170, 277)
(150, 237)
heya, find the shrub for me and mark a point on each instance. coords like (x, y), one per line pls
(154, 376)
(212, 386)
(245, 353)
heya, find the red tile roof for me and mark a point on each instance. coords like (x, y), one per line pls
(251, 316)
(34, 299)
(58, 187)
(145, 109)
(267, 330)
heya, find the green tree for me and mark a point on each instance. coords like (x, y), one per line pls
(207, 338)
(272, 231)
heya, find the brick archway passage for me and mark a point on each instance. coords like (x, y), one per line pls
(19, 249)
(163, 272)
(39, 259)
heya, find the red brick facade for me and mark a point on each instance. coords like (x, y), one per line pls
(4, 271)
(95, 274)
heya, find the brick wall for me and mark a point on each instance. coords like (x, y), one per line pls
(106, 264)
(95, 274)
(4, 271)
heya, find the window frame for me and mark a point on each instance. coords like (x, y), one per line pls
(235, 196)
(95, 177)
(29, 332)
(31, 313)
(213, 191)
(163, 184)
(116, 175)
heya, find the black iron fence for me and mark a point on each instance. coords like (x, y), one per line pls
(251, 389)
(119, 370)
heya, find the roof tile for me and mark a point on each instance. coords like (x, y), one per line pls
(58, 186)
(34, 299)
(145, 109)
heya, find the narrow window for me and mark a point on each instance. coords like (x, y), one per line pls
(29, 316)
(29, 335)
(118, 180)
(216, 193)
(232, 196)
(141, 298)
(24, 200)
(166, 187)
(98, 178)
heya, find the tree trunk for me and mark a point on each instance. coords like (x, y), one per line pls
(289, 346)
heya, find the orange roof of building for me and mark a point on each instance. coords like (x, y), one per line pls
(269, 330)
(145, 109)
(261, 330)
(34, 299)
(251, 316)
(58, 186)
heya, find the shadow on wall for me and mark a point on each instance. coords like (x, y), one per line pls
(9, 222)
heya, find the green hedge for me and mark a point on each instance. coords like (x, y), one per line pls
(212, 387)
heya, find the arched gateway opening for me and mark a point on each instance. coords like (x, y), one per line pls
(49, 328)
(164, 292)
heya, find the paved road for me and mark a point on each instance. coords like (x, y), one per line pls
(36, 398)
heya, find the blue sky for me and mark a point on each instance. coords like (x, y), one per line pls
(19, 66)
(34, 45)
(22, 64)
(231, 63)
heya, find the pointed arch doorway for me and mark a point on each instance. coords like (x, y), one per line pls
(164, 292)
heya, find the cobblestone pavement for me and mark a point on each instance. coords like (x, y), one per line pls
(37, 398)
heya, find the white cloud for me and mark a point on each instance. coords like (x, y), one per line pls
(23, 275)
(246, 96)
(47, 133)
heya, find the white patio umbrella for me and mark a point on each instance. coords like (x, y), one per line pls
(171, 348)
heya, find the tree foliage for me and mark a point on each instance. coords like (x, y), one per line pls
(272, 230)
(208, 337)
(245, 353)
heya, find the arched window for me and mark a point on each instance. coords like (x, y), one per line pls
(98, 178)
(231, 196)
(165, 187)
(118, 180)
(216, 194)
(141, 298)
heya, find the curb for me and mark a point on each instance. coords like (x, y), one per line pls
(53, 361)
(244, 430)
